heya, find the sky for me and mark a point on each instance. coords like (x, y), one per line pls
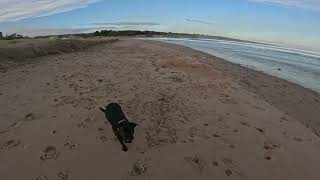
(294, 23)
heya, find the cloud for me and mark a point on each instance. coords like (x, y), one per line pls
(200, 21)
(13, 10)
(304, 4)
(128, 24)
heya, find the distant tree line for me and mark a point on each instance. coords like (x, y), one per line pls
(137, 33)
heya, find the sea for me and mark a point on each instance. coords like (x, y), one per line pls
(297, 66)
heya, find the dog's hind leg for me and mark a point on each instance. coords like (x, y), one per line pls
(116, 132)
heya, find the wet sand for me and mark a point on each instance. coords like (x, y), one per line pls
(199, 117)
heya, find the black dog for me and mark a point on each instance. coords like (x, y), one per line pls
(121, 127)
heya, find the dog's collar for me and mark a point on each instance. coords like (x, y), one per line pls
(123, 120)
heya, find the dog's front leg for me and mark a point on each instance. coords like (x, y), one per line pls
(116, 132)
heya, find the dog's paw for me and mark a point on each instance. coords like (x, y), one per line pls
(125, 149)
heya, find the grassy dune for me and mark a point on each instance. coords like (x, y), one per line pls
(15, 52)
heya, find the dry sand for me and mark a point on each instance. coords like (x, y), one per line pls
(199, 118)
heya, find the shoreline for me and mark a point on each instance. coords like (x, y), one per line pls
(242, 75)
(277, 72)
(198, 117)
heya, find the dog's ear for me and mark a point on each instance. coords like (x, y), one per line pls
(133, 125)
(102, 109)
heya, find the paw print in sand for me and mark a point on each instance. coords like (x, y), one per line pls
(49, 153)
(138, 169)
(42, 178)
(70, 146)
(196, 162)
(64, 175)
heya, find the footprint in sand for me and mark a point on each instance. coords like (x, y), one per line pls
(84, 124)
(271, 146)
(259, 108)
(176, 79)
(42, 178)
(283, 119)
(228, 172)
(297, 139)
(29, 117)
(232, 168)
(81, 125)
(215, 163)
(138, 169)
(10, 144)
(220, 118)
(103, 138)
(245, 124)
(64, 175)
(49, 153)
(216, 135)
(227, 99)
(192, 132)
(267, 158)
(260, 130)
(196, 162)
(70, 146)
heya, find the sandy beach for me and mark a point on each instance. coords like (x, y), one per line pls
(198, 116)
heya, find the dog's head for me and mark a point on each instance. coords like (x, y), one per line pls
(126, 131)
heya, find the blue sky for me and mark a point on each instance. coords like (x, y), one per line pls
(290, 22)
